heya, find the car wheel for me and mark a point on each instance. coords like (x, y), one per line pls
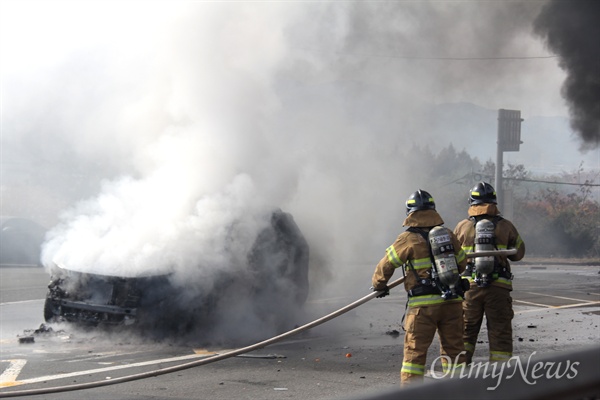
(50, 309)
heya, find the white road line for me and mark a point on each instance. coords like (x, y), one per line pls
(557, 297)
(559, 307)
(533, 304)
(10, 374)
(106, 369)
(10, 303)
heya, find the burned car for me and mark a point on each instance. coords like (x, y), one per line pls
(273, 279)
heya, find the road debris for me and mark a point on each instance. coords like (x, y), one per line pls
(266, 356)
(393, 333)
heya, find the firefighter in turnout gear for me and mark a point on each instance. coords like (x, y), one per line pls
(491, 277)
(433, 284)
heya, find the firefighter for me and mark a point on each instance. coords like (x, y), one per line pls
(429, 310)
(491, 279)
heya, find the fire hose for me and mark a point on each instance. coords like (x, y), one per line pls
(232, 353)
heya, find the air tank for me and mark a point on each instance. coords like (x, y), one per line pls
(446, 267)
(484, 241)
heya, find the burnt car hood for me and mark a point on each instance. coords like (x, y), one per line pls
(273, 279)
(95, 298)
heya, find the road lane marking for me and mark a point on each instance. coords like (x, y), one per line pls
(10, 374)
(106, 369)
(559, 307)
(533, 304)
(205, 352)
(557, 297)
(10, 303)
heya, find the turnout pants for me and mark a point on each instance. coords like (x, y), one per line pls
(421, 325)
(496, 304)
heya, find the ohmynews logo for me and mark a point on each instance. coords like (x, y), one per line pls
(530, 372)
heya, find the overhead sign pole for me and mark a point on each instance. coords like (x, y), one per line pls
(509, 139)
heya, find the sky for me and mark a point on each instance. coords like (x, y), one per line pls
(152, 125)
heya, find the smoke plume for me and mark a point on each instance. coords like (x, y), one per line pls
(571, 30)
(171, 130)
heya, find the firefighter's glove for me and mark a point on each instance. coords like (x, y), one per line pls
(384, 292)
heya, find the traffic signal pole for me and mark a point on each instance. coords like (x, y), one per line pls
(509, 139)
(498, 178)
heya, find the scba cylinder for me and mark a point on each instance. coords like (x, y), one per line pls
(484, 241)
(446, 267)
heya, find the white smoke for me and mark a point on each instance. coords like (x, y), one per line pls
(201, 161)
(200, 115)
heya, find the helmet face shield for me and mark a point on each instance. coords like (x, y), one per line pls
(482, 193)
(419, 200)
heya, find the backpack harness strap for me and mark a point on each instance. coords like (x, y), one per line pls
(424, 285)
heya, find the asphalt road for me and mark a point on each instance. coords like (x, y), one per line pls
(557, 308)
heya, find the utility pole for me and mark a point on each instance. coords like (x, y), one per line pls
(509, 139)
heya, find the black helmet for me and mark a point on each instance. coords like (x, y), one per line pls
(481, 193)
(419, 200)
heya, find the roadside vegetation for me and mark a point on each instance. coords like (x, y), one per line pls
(558, 216)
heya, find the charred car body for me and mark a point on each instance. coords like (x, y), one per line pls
(277, 269)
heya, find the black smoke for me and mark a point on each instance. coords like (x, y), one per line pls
(572, 31)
